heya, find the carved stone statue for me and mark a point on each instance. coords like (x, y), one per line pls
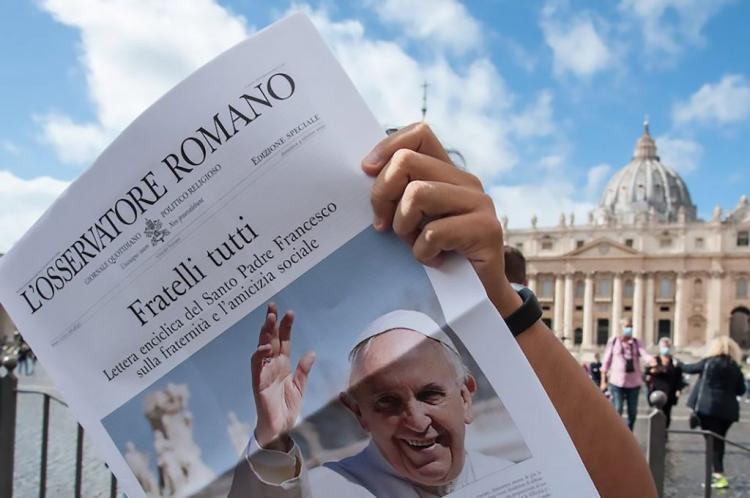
(716, 215)
(534, 220)
(239, 433)
(572, 219)
(138, 462)
(172, 476)
(504, 221)
(562, 220)
(179, 457)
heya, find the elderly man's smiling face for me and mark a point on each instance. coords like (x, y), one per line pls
(406, 393)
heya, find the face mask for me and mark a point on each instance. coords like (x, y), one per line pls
(664, 351)
(628, 331)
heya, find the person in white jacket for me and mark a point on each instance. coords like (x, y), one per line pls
(408, 388)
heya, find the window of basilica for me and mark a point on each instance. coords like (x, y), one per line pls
(665, 287)
(741, 291)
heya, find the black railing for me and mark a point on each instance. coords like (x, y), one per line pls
(9, 392)
(657, 441)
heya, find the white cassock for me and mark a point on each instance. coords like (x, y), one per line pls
(274, 474)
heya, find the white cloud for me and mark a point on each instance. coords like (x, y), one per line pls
(476, 96)
(595, 179)
(550, 197)
(523, 57)
(727, 101)
(22, 202)
(680, 154)
(448, 25)
(10, 147)
(132, 51)
(75, 143)
(668, 26)
(577, 46)
(546, 200)
(131, 54)
(536, 120)
(552, 161)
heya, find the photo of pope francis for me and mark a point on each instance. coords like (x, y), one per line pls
(408, 388)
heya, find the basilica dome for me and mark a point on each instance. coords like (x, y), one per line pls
(645, 189)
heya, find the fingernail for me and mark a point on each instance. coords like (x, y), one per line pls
(377, 222)
(372, 159)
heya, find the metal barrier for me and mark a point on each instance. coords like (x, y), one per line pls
(8, 414)
(657, 439)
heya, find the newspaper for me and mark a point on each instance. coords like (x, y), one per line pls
(144, 290)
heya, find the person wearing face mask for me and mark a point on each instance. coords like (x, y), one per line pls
(666, 376)
(621, 370)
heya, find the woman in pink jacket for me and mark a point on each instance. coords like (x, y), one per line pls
(621, 369)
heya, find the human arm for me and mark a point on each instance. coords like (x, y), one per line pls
(645, 356)
(272, 465)
(277, 392)
(740, 382)
(436, 208)
(266, 473)
(693, 368)
(606, 363)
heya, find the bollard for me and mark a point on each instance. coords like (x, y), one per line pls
(8, 385)
(709, 465)
(657, 439)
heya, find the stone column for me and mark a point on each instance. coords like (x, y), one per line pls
(588, 312)
(532, 283)
(569, 304)
(638, 305)
(559, 305)
(713, 308)
(680, 311)
(648, 326)
(616, 303)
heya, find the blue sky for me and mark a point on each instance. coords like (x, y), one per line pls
(544, 98)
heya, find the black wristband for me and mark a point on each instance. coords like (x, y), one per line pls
(525, 316)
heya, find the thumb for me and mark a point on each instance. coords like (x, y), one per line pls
(303, 370)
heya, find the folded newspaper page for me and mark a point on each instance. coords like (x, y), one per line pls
(225, 236)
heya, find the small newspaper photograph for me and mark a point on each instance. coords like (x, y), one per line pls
(214, 305)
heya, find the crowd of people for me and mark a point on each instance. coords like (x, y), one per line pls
(627, 368)
(16, 347)
(714, 398)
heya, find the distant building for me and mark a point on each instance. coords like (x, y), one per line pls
(6, 325)
(643, 253)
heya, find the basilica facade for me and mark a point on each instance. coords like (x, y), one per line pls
(643, 254)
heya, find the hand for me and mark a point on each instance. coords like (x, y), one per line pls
(278, 394)
(437, 208)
